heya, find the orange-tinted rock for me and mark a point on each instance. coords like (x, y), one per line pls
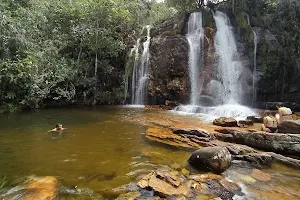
(260, 175)
(41, 188)
(166, 189)
(225, 122)
(205, 177)
(169, 176)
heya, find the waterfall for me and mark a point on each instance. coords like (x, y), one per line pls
(140, 71)
(126, 79)
(195, 37)
(135, 69)
(226, 87)
(248, 19)
(255, 74)
(229, 67)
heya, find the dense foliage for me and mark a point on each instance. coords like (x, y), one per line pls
(55, 52)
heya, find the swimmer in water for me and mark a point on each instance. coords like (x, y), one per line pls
(58, 127)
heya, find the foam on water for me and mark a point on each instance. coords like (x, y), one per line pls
(133, 106)
(208, 114)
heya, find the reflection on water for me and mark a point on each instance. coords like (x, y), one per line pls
(103, 152)
(99, 150)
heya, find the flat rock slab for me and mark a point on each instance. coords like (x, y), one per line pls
(164, 183)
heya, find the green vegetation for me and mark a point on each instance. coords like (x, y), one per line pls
(55, 52)
(61, 52)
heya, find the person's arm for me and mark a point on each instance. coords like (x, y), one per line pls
(52, 130)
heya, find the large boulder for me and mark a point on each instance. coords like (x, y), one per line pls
(225, 122)
(289, 126)
(217, 159)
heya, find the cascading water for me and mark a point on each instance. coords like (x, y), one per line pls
(140, 71)
(255, 73)
(126, 78)
(195, 37)
(135, 69)
(227, 86)
(229, 67)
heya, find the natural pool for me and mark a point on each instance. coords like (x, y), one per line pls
(103, 149)
(100, 150)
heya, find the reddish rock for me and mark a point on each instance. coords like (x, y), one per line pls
(260, 175)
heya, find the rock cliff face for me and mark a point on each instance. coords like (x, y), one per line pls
(169, 62)
(169, 78)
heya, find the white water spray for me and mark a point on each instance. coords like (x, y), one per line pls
(141, 71)
(195, 37)
(255, 73)
(229, 66)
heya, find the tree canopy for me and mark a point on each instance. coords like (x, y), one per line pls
(58, 52)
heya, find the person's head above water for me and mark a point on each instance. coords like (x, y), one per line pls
(279, 105)
(58, 126)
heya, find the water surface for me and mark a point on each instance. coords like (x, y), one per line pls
(101, 150)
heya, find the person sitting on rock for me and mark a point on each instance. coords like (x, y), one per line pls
(58, 127)
(269, 123)
(283, 114)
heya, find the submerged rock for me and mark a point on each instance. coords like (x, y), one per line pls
(41, 188)
(205, 177)
(260, 175)
(129, 196)
(225, 122)
(217, 159)
(289, 126)
(232, 187)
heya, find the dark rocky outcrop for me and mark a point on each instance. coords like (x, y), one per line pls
(281, 143)
(245, 123)
(169, 79)
(225, 122)
(217, 159)
(255, 159)
(255, 119)
(289, 126)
